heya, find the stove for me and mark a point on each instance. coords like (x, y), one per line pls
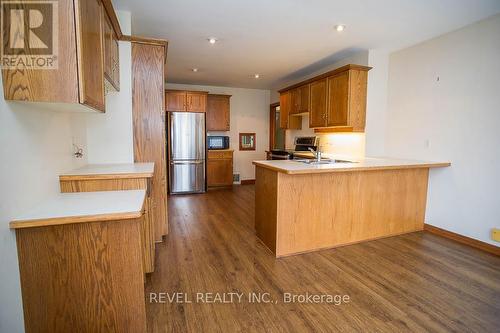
(302, 144)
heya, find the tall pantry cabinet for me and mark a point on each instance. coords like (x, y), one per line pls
(148, 61)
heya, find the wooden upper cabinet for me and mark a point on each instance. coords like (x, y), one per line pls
(218, 112)
(196, 101)
(111, 54)
(304, 102)
(185, 101)
(78, 80)
(285, 105)
(347, 100)
(294, 101)
(318, 106)
(335, 100)
(90, 52)
(300, 99)
(338, 93)
(286, 120)
(175, 100)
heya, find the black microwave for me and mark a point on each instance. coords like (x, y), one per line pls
(218, 142)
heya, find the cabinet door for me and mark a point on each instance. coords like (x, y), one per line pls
(115, 62)
(196, 102)
(175, 101)
(338, 92)
(90, 53)
(58, 85)
(295, 101)
(218, 113)
(317, 112)
(220, 172)
(304, 98)
(285, 103)
(108, 53)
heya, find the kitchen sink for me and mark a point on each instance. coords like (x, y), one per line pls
(323, 161)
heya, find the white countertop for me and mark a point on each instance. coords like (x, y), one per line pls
(126, 170)
(367, 163)
(67, 208)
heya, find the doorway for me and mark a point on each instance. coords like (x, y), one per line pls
(276, 133)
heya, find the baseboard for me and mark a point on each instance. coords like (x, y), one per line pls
(247, 181)
(463, 239)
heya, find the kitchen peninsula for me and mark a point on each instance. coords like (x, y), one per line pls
(302, 207)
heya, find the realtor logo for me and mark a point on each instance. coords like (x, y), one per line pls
(29, 34)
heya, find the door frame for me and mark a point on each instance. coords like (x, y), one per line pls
(272, 125)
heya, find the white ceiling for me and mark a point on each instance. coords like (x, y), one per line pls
(280, 39)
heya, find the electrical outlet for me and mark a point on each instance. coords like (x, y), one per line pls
(495, 234)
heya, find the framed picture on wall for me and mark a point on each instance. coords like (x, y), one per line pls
(247, 141)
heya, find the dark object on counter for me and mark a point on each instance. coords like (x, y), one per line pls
(215, 142)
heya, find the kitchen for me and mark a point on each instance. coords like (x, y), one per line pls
(185, 175)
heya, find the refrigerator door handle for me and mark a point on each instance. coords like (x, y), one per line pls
(186, 162)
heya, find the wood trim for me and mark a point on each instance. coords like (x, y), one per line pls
(148, 41)
(20, 224)
(254, 142)
(335, 129)
(190, 91)
(247, 181)
(106, 176)
(272, 124)
(145, 40)
(348, 169)
(108, 7)
(463, 239)
(221, 95)
(327, 74)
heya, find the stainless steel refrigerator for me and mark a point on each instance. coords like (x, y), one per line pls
(187, 152)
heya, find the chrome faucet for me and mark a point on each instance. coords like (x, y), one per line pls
(316, 154)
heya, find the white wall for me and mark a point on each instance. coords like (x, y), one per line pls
(444, 104)
(358, 58)
(249, 113)
(36, 145)
(110, 135)
(376, 102)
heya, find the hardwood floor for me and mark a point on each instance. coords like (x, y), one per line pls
(411, 283)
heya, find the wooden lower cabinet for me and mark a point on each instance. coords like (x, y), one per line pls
(82, 277)
(220, 168)
(109, 184)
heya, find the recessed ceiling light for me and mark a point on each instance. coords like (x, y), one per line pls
(256, 76)
(194, 69)
(340, 27)
(212, 40)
